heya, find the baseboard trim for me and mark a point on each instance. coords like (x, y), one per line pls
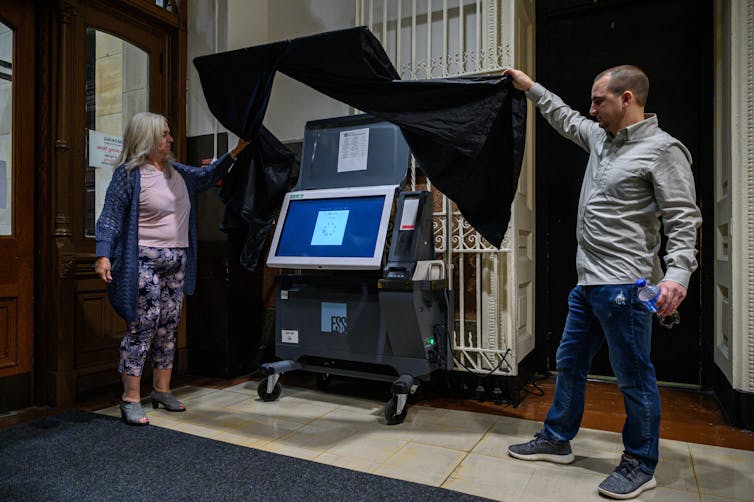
(737, 406)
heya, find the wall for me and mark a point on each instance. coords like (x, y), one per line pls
(291, 103)
(202, 41)
(244, 23)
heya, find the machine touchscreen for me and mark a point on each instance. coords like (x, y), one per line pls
(332, 228)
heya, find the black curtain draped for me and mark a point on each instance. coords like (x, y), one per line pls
(466, 133)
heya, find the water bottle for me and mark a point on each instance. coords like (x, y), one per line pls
(648, 294)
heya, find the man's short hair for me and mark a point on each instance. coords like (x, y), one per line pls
(627, 78)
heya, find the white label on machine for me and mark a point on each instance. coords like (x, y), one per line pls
(410, 209)
(352, 150)
(283, 294)
(289, 336)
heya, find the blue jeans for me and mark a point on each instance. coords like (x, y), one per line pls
(613, 313)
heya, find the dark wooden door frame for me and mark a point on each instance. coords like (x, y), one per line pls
(542, 358)
(17, 249)
(64, 257)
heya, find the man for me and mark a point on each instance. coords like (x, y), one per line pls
(636, 173)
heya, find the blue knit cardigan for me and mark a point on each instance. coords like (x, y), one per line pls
(117, 229)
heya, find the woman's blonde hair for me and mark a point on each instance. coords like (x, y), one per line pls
(142, 138)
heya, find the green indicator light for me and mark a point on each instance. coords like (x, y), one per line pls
(431, 341)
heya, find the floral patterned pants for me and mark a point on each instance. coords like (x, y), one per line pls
(161, 274)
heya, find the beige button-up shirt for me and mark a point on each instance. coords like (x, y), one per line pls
(631, 181)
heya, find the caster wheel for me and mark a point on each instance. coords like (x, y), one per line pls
(391, 416)
(323, 381)
(268, 396)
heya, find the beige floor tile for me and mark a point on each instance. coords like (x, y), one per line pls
(274, 422)
(480, 490)
(192, 415)
(249, 388)
(430, 446)
(264, 431)
(423, 415)
(215, 401)
(593, 463)
(112, 411)
(289, 450)
(420, 463)
(661, 494)
(465, 419)
(454, 437)
(721, 455)
(347, 416)
(351, 404)
(295, 411)
(516, 428)
(712, 498)
(197, 430)
(241, 439)
(674, 451)
(590, 441)
(368, 448)
(162, 420)
(490, 477)
(353, 463)
(379, 430)
(191, 392)
(504, 433)
(319, 436)
(567, 484)
(288, 408)
(676, 475)
(731, 479)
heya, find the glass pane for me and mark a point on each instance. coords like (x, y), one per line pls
(168, 5)
(117, 87)
(6, 130)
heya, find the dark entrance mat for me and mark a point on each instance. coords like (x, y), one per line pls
(80, 455)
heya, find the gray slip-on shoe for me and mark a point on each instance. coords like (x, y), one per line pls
(542, 448)
(627, 481)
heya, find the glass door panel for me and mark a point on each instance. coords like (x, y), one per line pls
(6, 130)
(117, 87)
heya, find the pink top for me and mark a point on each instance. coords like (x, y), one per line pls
(164, 208)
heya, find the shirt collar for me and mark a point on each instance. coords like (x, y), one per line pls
(638, 130)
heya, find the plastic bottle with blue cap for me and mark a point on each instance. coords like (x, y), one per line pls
(648, 294)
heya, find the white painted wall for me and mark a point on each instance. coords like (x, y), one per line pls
(244, 23)
(202, 41)
(247, 23)
(292, 104)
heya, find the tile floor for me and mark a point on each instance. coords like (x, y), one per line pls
(457, 450)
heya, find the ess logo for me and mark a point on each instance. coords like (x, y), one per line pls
(338, 324)
(334, 318)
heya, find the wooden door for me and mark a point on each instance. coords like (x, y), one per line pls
(110, 60)
(123, 77)
(17, 172)
(672, 41)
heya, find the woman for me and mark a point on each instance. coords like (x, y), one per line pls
(146, 252)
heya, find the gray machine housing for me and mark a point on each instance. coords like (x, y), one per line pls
(385, 324)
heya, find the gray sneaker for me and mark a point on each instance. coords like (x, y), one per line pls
(627, 480)
(541, 448)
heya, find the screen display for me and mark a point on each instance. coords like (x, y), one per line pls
(346, 227)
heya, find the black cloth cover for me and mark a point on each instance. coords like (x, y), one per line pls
(253, 192)
(466, 133)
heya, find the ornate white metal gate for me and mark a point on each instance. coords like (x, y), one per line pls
(494, 289)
